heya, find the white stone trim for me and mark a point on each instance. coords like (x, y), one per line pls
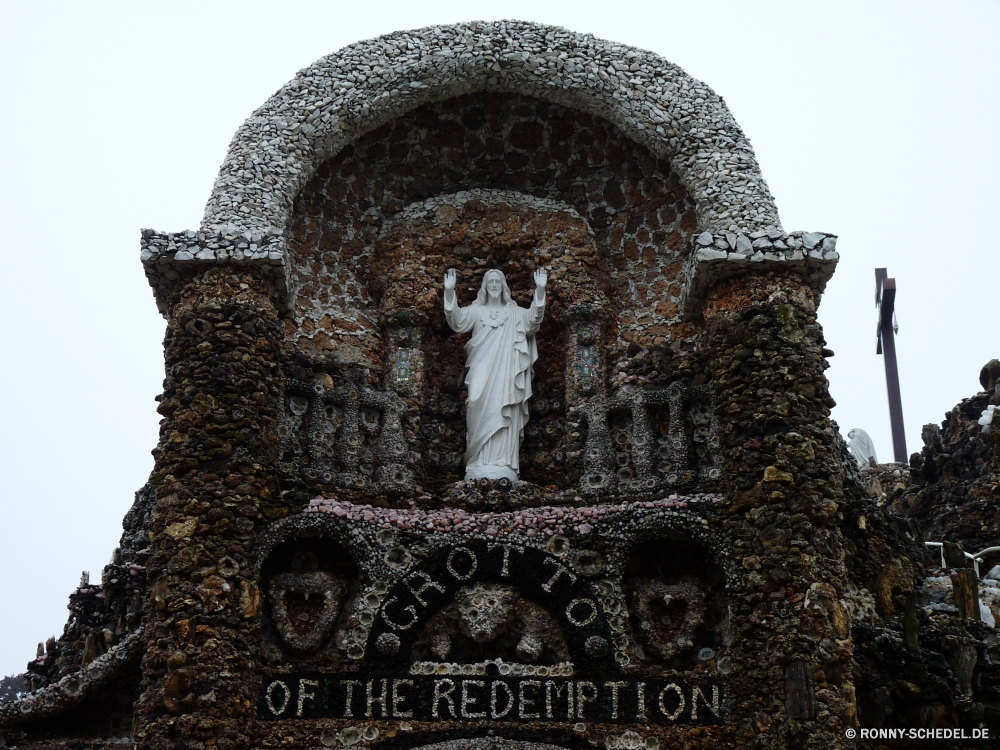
(363, 86)
(716, 257)
(515, 200)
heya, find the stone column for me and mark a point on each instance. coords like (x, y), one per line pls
(791, 671)
(586, 370)
(214, 473)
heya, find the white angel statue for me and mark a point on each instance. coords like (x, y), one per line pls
(861, 446)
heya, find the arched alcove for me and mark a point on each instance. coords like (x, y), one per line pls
(678, 604)
(632, 202)
(309, 585)
(329, 104)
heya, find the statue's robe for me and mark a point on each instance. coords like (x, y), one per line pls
(861, 446)
(500, 357)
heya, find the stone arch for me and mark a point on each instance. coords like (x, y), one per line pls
(354, 91)
(501, 148)
(678, 596)
(471, 220)
(475, 230)
(571, 607)
(416, 219)
(400, 258)
(677, 523)
(307, 527)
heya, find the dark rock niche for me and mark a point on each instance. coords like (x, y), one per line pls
(637, 208)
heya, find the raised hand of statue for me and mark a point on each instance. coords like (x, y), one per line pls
(541, 278)
(449, 280)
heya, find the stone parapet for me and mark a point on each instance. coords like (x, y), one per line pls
(76, 686)
(327, 105)
(167, 256)
(718, 256)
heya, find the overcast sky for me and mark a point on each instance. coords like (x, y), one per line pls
(875, 121)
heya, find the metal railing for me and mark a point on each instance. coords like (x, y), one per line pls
(976, 558)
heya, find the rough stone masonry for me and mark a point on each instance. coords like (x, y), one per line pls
(689, 556)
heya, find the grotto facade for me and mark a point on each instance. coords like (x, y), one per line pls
(689, 555)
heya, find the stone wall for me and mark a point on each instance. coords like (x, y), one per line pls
(638, 211)
(955, 479)
(928, 659)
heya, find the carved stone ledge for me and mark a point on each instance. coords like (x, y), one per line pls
(723, 255)
(169, 256)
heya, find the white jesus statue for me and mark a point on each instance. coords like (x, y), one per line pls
(500, 356)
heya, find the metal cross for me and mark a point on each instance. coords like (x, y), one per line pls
(885, 301)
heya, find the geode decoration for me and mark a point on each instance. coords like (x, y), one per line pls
(666, 615)
(489, 620)
(305, 606)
